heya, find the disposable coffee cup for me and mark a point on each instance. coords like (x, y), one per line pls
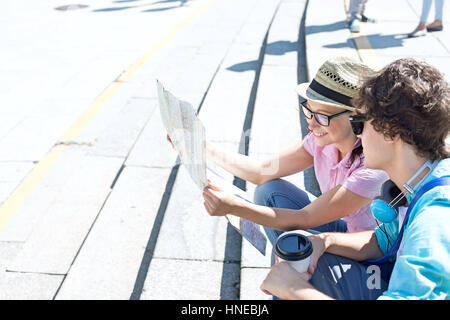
(295, 248)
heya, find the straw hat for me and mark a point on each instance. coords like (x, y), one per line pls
(335, 83)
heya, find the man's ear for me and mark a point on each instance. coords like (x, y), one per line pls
(395, 139)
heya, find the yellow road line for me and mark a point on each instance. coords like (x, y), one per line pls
(16, 200)
(365, 50)
(34, 178)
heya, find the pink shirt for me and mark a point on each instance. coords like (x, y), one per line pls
(358, 179)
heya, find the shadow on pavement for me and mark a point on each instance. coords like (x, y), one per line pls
(181, 3)
(282, 47)
(326, 27)
(377, 41)
(244, 66)
(276, 48)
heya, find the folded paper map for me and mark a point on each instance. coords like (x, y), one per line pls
(187, 134)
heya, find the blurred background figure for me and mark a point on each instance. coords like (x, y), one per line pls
(436, 25)
(356, 11)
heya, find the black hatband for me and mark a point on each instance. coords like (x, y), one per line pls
(330, 94)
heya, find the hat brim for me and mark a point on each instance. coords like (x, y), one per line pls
(304, 91)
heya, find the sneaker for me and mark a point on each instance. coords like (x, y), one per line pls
(365, 18)
(354, 25)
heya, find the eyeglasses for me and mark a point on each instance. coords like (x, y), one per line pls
(357, 123)
(321, 119)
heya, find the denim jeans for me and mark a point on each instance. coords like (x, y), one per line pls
(336, 276)
(356, 9)
(345, 279)
(426, 6)
(280, 193)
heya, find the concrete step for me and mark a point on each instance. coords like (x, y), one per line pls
(89, 227)
(208, 249)
(117, 217)
(275, 125)
(178, 232)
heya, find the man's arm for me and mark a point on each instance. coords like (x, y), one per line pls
(357, 246)
(421, 269)
(285, 282)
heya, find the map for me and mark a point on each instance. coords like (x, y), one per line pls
(187, 134)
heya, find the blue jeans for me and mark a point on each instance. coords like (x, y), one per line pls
(356, 9)
(426, 6)
(345, 279)
(280, 193)
(336, 276)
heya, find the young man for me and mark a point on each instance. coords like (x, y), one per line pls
(406, 107)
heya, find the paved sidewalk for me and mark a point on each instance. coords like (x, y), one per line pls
(109, 213)
(328, 36)
(101, 221)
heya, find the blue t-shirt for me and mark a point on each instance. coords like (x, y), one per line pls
(422, 268)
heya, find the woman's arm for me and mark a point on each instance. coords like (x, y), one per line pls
(332, 205)
(290, 161)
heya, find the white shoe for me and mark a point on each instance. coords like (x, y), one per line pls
(354, 25)
(417, 33)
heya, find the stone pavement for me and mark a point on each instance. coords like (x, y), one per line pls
(105, 211)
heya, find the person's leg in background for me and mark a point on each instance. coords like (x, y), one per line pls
(420, 30)
(426, 6)
(356, 10)
(365, 18)
(437, 25)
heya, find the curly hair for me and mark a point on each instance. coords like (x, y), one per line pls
(410, 99)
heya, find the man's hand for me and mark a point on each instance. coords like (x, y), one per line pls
(319, 248)
(285, 282)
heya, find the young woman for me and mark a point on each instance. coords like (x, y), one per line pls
(331, 146)
(407, 111)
